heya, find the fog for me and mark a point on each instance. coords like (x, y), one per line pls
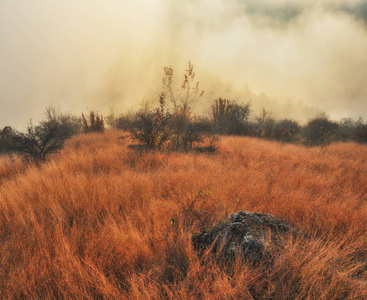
(295, 58)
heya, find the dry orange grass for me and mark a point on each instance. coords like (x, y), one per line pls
(97, 221)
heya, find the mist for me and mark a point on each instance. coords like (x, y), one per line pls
(294, 58)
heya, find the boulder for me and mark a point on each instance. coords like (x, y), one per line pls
(250, 236)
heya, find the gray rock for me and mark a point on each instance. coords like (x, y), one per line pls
(251, 236)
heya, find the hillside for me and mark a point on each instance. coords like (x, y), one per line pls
(101, 220)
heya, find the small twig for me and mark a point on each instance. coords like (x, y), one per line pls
(190, 207)
(196, 198)
(197, 217)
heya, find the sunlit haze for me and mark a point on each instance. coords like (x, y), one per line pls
(295, 58)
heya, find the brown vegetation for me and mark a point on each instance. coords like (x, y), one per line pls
(102, 220)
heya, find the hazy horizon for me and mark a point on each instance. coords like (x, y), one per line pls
(294, 58)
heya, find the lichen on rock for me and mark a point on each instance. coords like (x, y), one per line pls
(251, 236)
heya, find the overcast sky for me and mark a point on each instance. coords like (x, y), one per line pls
(295, 58)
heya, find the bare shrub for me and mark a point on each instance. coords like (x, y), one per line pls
(180, 102)
(172, 122)
(37, 143)
(68, 123)
(151, 127)
(261, 121)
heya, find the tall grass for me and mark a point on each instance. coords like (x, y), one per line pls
(102, 221)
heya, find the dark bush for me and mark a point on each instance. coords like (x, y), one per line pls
(346, 130)
(230, 117)
(38, 142)
(6, 139)
(49, 136)
(68, 124)
(152, 127)
(320, 131)
(124, 122)
(197, 130)
(268, 128)
(121, 121)
(220, 111)
(94, 123)
(361, 132)
(262, 124)
(287, 131)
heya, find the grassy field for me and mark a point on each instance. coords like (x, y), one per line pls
(102, 221)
